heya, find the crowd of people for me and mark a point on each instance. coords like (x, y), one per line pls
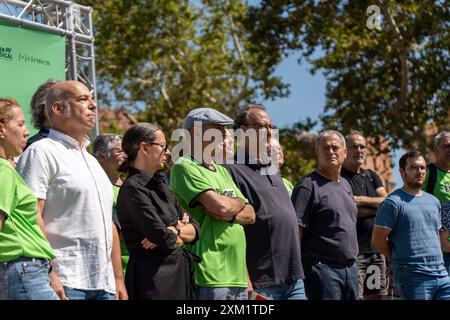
(220, 224)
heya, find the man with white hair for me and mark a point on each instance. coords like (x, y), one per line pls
(75, 199)
(326, 212)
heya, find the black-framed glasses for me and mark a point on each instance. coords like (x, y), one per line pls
(164, 146)
(263, 126)
(358, 146)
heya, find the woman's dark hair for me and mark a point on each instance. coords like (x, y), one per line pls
(139, 132)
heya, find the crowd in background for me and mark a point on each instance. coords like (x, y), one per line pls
(218, 225)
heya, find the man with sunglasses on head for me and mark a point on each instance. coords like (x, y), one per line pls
(368, 193)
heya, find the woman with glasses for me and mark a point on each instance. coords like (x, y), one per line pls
(154, 226)
(25, 253)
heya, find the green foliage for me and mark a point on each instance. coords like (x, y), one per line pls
(164, 58)
(391, 83)
(298, 149)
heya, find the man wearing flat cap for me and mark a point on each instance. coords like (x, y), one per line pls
(207, 192)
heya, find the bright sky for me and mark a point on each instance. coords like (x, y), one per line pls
(307, 99)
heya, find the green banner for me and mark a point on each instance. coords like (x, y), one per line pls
(27, 59)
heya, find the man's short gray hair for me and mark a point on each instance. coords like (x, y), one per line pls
(104, 143)
(439, 137)
(327, 133)
(354, 133)
(37, 103)
(243, 116)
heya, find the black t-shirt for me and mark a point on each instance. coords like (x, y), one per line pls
(273, 243)
(364, 183)
(327, 212)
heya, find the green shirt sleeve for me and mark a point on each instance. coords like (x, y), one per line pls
(7, 195)
(187, 182)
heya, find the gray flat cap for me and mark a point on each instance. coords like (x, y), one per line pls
(205, 116)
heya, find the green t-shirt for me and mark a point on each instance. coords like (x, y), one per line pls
(221, 244)
(289, 186)
(125, 255)
(20, 235)
(442, 186)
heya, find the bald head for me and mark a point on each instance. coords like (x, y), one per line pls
(71, 108)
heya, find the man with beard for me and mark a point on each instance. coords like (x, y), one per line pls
(407, 227)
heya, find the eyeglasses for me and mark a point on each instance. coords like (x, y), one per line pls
(414, 167)
(164, 146)
(358, 146)
(265, 125)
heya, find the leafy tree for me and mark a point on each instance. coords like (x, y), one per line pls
(164, 58)
(298, 145)
(391, 83)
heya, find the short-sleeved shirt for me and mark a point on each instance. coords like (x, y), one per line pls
(364, 183)
(20, 235)
(327, 212)
(222, 244)
(78, 209)
(441, 187)
(414, 222)
(273, 242)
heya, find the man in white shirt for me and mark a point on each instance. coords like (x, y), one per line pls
(75, 199)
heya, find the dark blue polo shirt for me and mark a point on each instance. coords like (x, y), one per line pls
(327, 212)
(273, 243)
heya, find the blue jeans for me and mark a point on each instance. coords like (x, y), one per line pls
(26, 279)
(80, 294)
(226, 293)
(418, 286)
(286, 291)
(325, 280)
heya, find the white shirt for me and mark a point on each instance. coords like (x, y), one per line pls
(78, 209)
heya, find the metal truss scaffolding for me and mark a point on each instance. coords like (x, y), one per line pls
(65, 18)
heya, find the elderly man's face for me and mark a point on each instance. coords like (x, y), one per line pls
(82, 106)
(260, 122)
(331, 152)
(116, 156)
(357, 150)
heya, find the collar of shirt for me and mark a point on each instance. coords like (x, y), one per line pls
(68, 140)
(44, 131)
(144, 179)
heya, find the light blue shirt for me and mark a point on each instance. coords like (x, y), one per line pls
(415, 223)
